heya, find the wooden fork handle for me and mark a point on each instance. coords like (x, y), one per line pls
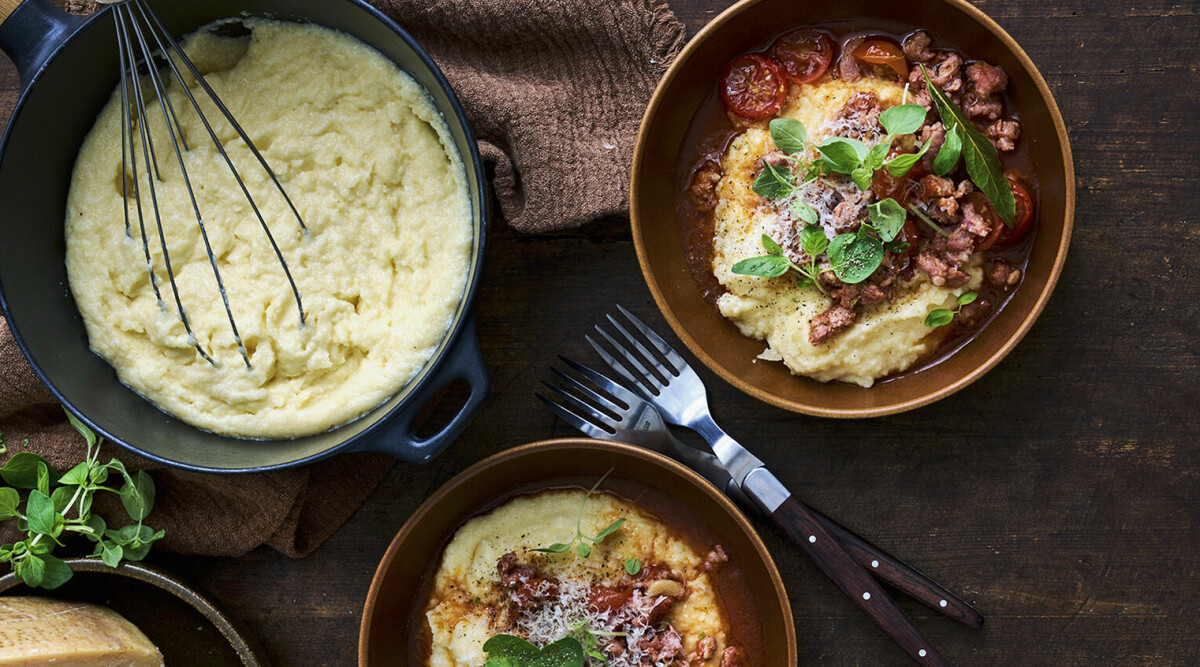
(802, 526)
(901, 575)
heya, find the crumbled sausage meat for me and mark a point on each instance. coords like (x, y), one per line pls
(1002, 274)
(731, 657)
(835, 320)
(916, 47)
(986, 79)
(1004, 134)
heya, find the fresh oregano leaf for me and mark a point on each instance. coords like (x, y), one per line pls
(774, 182)
(55, 573)
(803, 210)
(31, 570)
(947, 157)
(901, 164)
(9, 501)
(612, 528)
(902, 119)
(21, 471)
(633, 566)
(771, 246)
(39, 512)
(939, 317)
(813, 241)
(77, 476)
(980, 156)
(766, 266)
(789, 135)
(878, 154)
(513, 651)
(583, 549)
(967, 297)
(61, 497)
(862, 177)
(83, 429)
(887, 217)
(855, 257)
(137, 495)
(556, 548)
(111, 553)
(843, 154)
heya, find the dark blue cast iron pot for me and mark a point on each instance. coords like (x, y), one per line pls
(69, 67)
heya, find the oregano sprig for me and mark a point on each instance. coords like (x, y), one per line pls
(940, 317)
(580, 541)
(57, 506)
(774, 264)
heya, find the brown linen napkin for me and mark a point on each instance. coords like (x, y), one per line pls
(555, 90)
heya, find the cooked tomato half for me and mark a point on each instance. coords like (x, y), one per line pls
(753, 87)
(1023, 220)
(985, 208)
(881, 52)
(804, 55)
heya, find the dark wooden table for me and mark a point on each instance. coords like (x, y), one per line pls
(1060, 493)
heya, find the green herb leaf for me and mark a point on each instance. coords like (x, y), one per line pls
(633, 566)
(556, 548)
(55, 573)
(877, 155)
(39, 511)
(862, 177)
(947, 157)
(21, 471)
(612, 528)
(513, 651)
(774, 182)
(111, 553)
(813, 241)
(901, 164)
(96, 523)
(789, 135)
(583, 549)
(137, 495)
(981, 157)
(842, 154)
(83, 429)
(902, 119)
(771, 246)
(887, 217)
(766, 266)
(77, 476)
(939, 317)
(854, 257)
(805, 212)
(61, 496)
(967, 297)
(31, 570)
(9, 501)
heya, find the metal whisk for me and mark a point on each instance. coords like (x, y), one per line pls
(141, 36)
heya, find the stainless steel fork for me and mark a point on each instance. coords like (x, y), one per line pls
(670, 384)
(613, 412)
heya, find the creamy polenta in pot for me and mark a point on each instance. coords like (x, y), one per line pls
(381, 267)
(640, 596)
(854, 205)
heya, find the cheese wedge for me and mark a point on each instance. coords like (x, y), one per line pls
(40, 631)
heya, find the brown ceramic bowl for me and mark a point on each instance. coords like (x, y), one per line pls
(185, 626)
(398, 591)
(752, 24)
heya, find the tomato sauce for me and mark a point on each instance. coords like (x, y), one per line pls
(713, 127)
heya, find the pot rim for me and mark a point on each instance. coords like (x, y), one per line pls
(448, 346)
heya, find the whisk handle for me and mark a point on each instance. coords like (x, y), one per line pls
(31, 31)
(464, 362)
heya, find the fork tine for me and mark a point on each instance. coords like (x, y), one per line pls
(612, 362)
(645, 376)
(588, 393)
(647, 355)
(615, 390)
(582, 408)
(655, 340)
(588, 428)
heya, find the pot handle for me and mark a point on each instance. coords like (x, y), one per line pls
(31, 31)
(462, 362)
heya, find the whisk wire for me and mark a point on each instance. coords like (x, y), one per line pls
(152, 20)
(146, 152)
(172, 134)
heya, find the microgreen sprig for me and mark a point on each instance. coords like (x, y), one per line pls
(940, 317)
(774, 264)
(580, 541)
(50, 515)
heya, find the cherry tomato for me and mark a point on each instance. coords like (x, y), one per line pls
(753, 87)
(984, 208)
(804, 55)
(880, 52)
(1023, 220)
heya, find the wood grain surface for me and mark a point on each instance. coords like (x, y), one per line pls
(1060, 494)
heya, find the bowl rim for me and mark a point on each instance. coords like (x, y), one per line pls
(640, 146)
(242, 643)
(535, 448)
